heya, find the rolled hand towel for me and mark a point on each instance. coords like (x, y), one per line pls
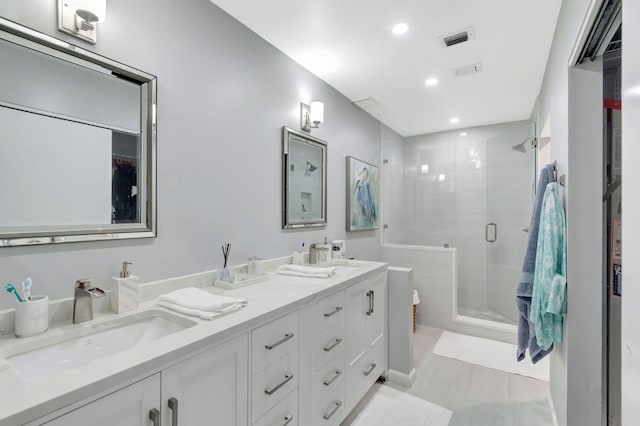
(200, 300)
(197, 313)
(307, 271)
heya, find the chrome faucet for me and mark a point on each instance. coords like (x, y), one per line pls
(83, 300)
(319, 252)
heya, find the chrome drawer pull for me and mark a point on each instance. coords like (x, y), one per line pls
(173, 406)
(335, 311)
(154, 416)
(333, 379)
(338, 404)
(287, 419)
(371, 368)
(279, 342)
(333, 345)
(270, 391)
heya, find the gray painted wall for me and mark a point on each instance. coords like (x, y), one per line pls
(575, 373)
(630, 351)
(223, 96)
(584, 323)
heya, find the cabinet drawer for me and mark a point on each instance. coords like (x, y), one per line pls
(327, 389)
(328, 344)
(330, 379)
(284, 413)
(273, 384)
(365, 372)
(329, 311)
(273, 340)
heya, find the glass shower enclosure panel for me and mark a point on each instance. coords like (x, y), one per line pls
(510, 185)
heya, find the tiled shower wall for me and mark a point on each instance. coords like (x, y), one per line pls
(444, 188)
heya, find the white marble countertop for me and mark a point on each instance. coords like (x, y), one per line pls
(22, 400)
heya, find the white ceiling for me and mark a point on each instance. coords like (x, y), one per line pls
(361, 57)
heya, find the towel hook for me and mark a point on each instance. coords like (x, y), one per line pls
(562, 179)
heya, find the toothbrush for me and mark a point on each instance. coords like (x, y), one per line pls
(301, 247)
(26, 289)
(11, 289)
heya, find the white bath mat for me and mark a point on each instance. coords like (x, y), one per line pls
(489, 353)
(389, 407)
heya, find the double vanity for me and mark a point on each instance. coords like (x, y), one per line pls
(303, 352)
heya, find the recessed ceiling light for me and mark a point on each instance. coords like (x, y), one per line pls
(463, 134)
(400, 28)
(454, 120)
(431, 81)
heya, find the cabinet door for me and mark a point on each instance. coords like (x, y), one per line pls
(210, 389)
(375, 319)
(127, 407)
(356, 302)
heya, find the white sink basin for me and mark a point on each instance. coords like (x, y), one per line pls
(67, 350)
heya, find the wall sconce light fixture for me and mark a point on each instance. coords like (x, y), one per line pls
(311, 116)
(80, 17)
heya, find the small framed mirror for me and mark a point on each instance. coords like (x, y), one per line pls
(304, 189)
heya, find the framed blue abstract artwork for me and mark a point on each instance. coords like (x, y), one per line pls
(363, 199)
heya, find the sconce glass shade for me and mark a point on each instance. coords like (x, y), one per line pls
(97, 7)
(316, 115)
(80, 17)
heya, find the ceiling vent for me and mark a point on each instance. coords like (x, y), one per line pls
(467, 70)
(457, 37)
(365, 103)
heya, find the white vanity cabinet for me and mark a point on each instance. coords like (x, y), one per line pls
(366, 348)
(309, 364)
(130, 406)
(274, 371)
(327, 361)
(207, 389)
(348, 350)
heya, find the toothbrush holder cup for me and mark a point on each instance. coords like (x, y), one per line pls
(298, 258)
(32, 317)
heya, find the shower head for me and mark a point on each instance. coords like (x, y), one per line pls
(520, 147)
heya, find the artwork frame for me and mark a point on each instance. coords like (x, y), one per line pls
(363, 195)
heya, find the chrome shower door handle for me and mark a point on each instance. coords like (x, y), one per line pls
(495, 232)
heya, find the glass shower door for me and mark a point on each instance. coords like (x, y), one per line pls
(510, 177)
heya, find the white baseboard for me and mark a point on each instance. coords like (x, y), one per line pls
(402, 379)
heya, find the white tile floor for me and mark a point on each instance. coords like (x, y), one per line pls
(478, 396)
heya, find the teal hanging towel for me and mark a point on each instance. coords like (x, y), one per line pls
(549, 300)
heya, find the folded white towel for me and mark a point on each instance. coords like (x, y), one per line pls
(200, 300)
(197, 313)
(307, 271)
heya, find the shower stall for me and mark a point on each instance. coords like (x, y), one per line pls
(467, 195)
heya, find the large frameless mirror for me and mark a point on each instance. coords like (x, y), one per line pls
(304, 193)
(77, 153)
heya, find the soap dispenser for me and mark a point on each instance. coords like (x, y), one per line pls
(324, 256)
(124, 291)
